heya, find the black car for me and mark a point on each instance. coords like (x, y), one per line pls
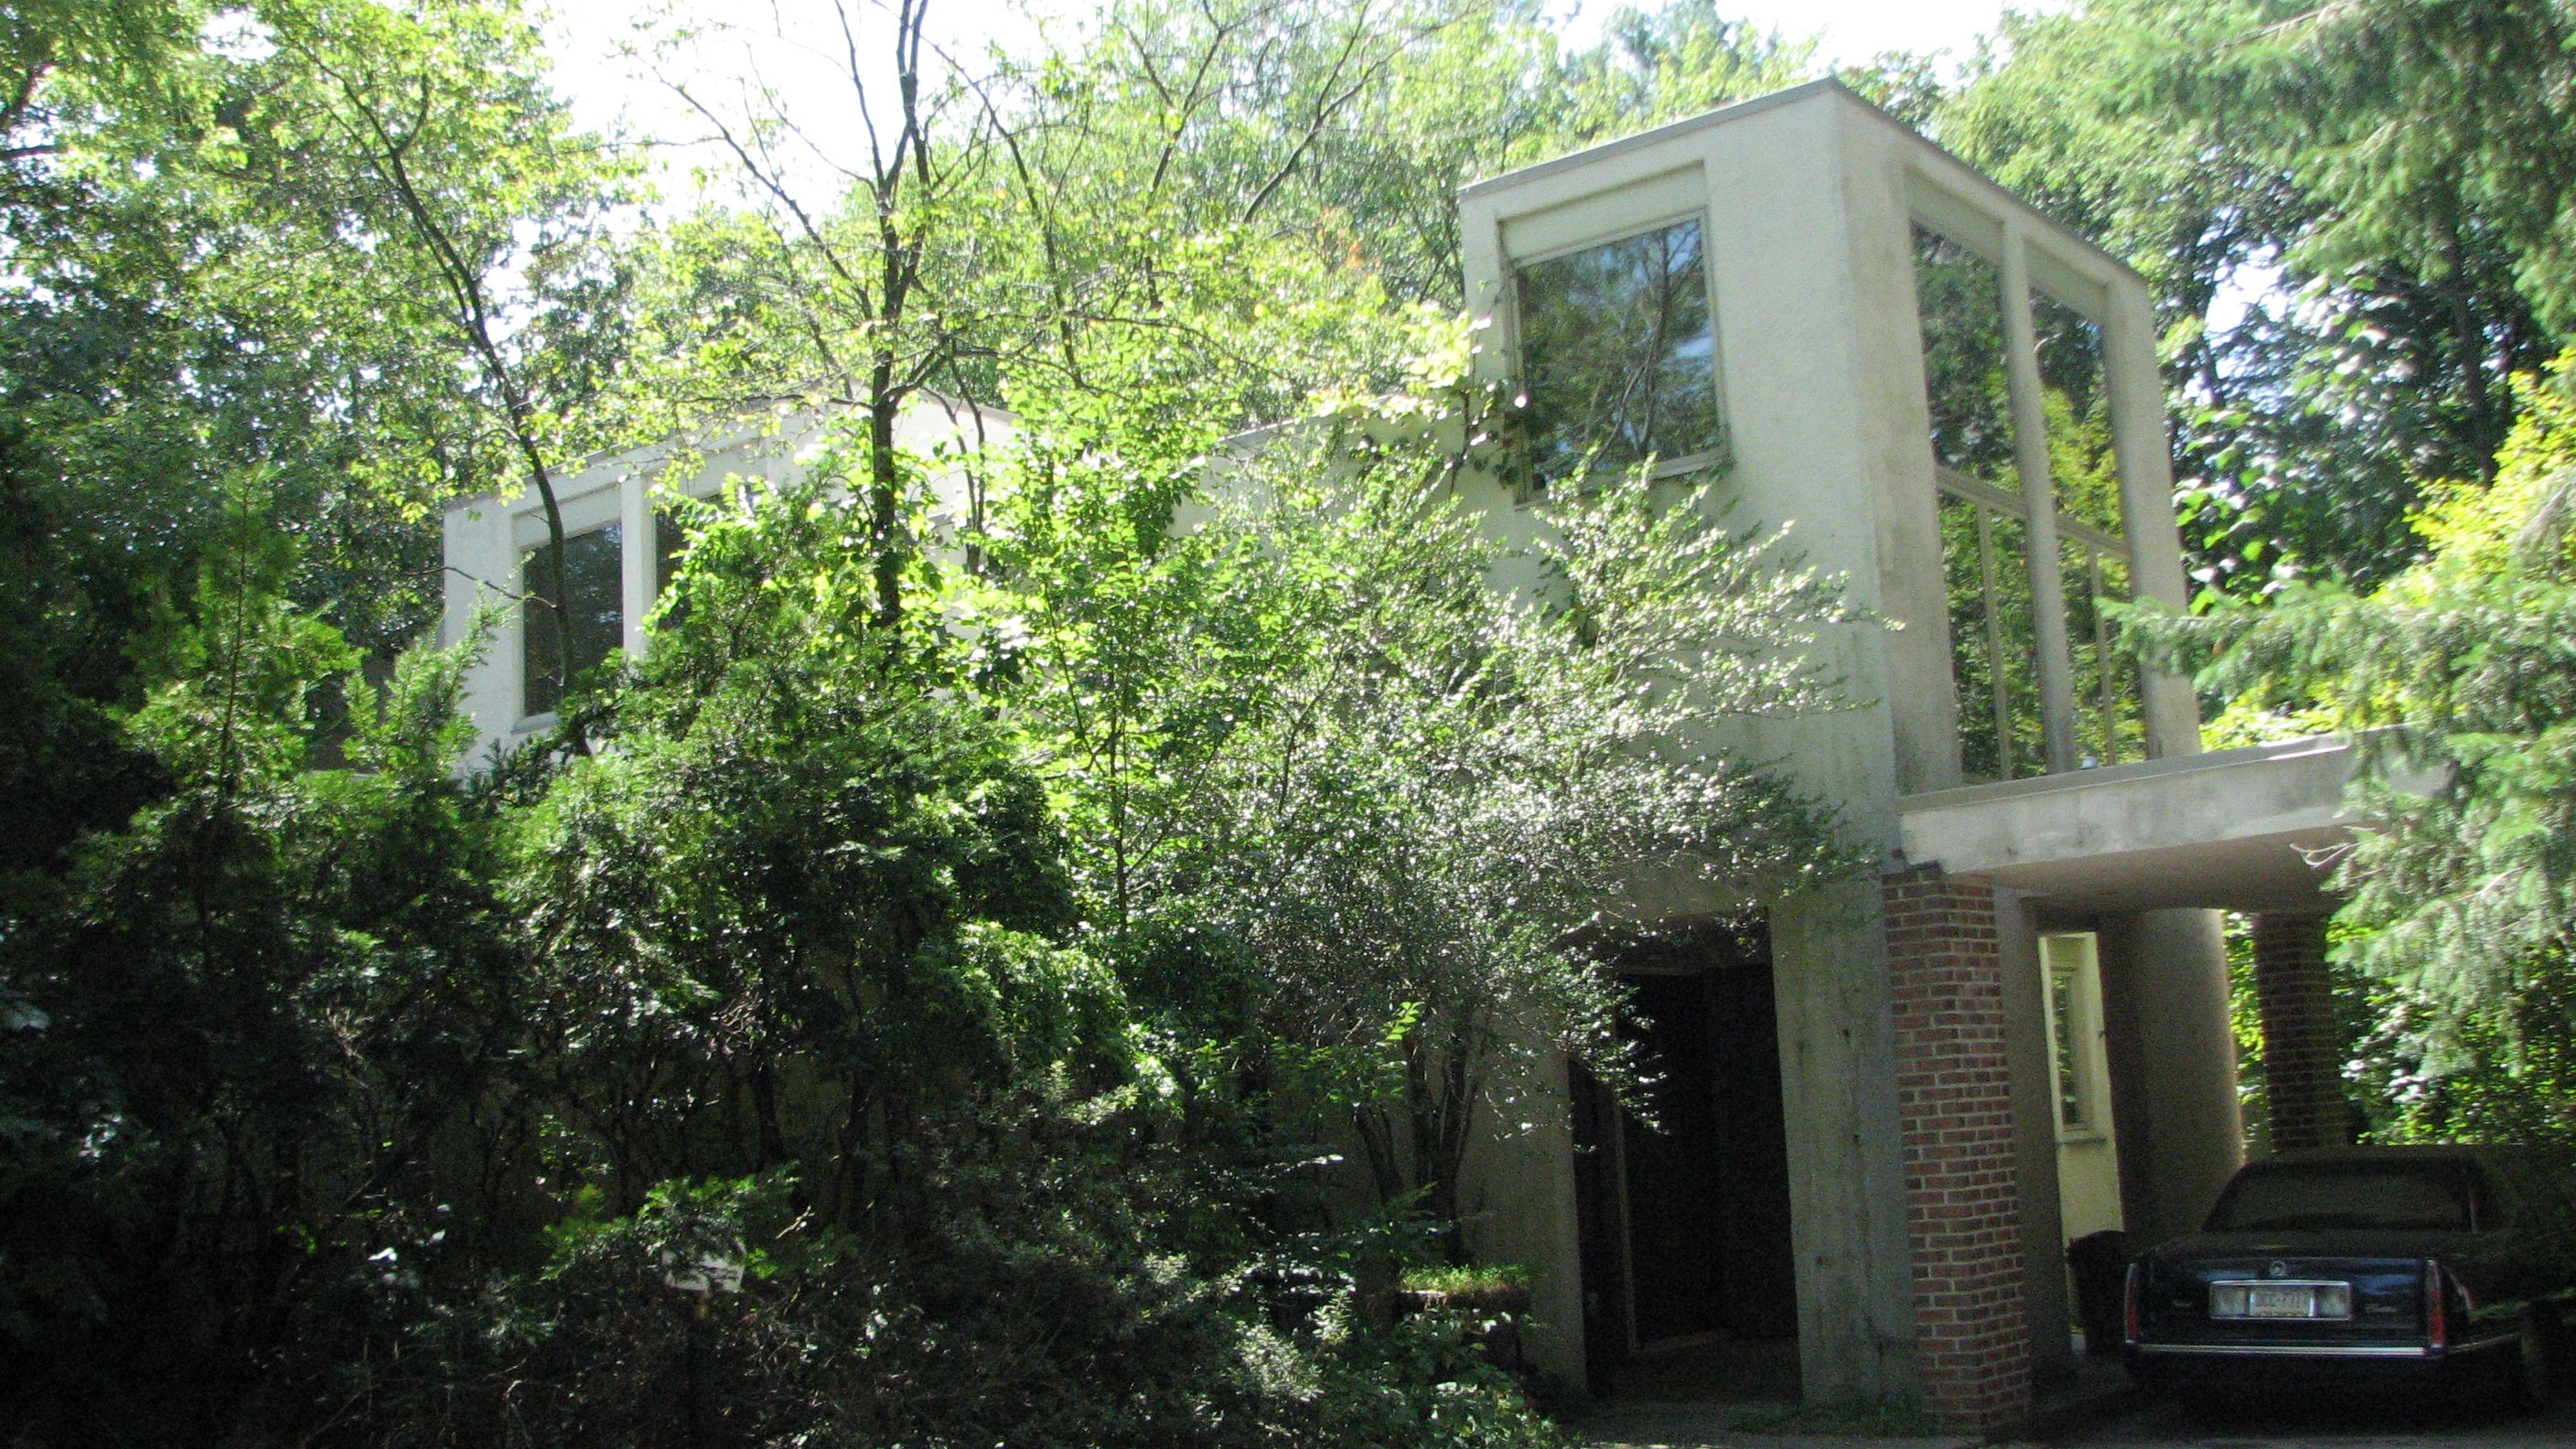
(2367, 1266)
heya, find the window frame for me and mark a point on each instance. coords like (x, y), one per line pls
(533, 720)
(1629, 227)
(2027, 269)
(2083, 1039)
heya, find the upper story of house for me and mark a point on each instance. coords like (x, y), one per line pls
(619, 544)
(1951, 400)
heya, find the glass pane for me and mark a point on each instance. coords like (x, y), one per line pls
(669, 540)
(2026, 734)
(2081, 465)
(1618, 353)
(1993, 646)
(594, 625)
(2433, 1197)
(2110, 723)
(2062, 1014)
(1964, 375)
(1972, 672)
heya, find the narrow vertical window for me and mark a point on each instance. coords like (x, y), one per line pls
(1985, 553)
(2062, 982)
(1619, 354)
(593, 614)
(2071, 964)
(2084, 473)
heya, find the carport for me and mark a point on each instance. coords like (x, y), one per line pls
(2107, 885)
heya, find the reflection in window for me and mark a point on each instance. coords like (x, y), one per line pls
(2110, 724)
(593, 626)
(1619, 355)
(1985, 556)
(1964, 373)
(1985, 553)
(1993, 644)
(2081, 466)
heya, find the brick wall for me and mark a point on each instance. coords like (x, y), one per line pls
(2302, 1049)
(1963, 1211)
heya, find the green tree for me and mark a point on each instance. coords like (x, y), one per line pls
(431, 139)
(1326, 761)
(2349, 213)
(241, 1028)
(2453, 681)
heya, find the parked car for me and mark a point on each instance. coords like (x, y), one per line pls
(2372, 1266)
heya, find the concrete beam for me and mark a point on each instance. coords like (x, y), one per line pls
(2254, 829)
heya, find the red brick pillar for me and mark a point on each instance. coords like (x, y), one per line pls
(2302, 1051)
(1963, 1208)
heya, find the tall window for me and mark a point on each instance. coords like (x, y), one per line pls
(594, 618)
(1619, 354)
(2071, 965)
(2110, 724)
(1985, 520)
(1985, 550)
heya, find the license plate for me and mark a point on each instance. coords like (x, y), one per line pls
(2280, 1300)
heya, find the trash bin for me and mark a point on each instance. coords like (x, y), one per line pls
(2101, 1264)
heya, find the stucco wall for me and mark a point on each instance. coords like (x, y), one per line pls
(486, 536)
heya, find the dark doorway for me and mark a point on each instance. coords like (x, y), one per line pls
(1685, 1222)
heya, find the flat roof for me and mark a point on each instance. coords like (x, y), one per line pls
(1995, 194)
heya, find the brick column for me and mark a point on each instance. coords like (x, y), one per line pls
(1962, 1189)
(2302, 1051)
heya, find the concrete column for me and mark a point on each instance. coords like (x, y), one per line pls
(2302, 1051)
(2145, 452)
(1520, 1209)
(2173, 1067)
(1964, 1207)
(1846, 1167)
(637, 558)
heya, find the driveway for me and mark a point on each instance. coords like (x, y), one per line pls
(2376, 1427)
(1648, 1426)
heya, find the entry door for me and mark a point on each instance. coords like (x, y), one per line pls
(1686, 1221)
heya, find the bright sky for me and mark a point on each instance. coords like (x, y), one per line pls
(588, 36)
(1852, 30)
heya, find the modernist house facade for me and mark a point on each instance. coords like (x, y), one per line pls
(1889, 1105)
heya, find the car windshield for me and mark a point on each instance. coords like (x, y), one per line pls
(2341, 1195)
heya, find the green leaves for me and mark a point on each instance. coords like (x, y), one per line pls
(2352, 216)
(1342, 799)
(2456, 681)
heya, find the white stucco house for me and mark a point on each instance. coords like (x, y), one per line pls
(1895, 1102)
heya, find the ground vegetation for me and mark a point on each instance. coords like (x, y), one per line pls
(1004, 941)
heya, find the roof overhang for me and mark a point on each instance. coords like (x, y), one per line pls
(2253, 829)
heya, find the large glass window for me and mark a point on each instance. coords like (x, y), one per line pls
(2084, 472)
(1619, 355)
(1985, 550)
(1985, 515)
(593, 622)
(1965, 378)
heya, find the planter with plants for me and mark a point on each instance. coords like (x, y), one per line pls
(1487, 1301)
